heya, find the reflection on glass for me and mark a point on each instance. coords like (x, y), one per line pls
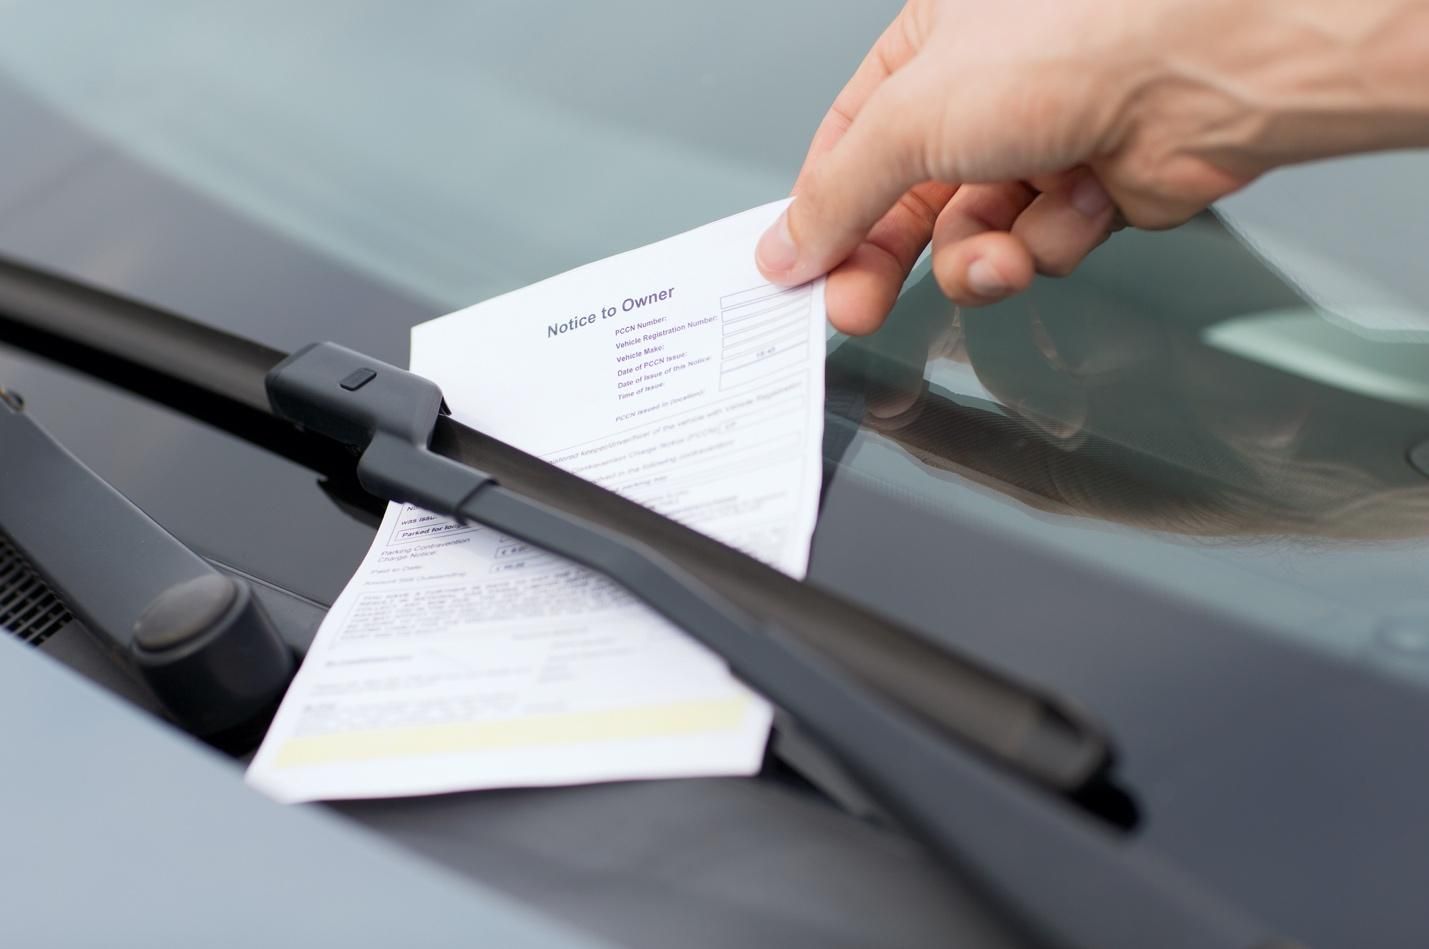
(1171, 403)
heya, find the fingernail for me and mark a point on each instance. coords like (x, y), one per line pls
(984, 280)
(1089, 197)
(776, 251)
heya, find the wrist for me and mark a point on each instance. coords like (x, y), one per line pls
(1251, 86)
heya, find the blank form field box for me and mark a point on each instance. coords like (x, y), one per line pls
(766, 331)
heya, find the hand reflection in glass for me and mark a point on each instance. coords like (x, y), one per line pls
(1140, 421)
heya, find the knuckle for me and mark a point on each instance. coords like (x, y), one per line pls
(918, 208)
(1155, 191)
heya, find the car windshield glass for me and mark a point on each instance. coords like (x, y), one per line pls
(1181, 412)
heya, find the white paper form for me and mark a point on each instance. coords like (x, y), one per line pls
(458, 658)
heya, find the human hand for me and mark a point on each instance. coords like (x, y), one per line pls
(1017, 136)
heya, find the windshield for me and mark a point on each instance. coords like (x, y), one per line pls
(1180, 412)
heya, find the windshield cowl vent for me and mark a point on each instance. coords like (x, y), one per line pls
(28, 607)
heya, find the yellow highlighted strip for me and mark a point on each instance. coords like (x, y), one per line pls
(564, 729)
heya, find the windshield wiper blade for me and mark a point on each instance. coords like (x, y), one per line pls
(218, 377)
(1066, 877)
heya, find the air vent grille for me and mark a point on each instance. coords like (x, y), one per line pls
(28, 608)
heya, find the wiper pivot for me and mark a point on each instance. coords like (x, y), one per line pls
(197, 637)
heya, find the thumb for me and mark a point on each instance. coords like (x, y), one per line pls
(881, 156)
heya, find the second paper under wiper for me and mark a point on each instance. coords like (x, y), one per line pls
(460, 658)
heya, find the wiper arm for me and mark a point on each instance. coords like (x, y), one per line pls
(219, 377)
(1067, 878)
(199, 638)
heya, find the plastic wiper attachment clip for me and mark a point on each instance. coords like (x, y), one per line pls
(385, 414)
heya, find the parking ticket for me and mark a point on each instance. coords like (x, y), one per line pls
(458, 658)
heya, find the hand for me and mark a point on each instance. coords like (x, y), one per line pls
(1017, 136)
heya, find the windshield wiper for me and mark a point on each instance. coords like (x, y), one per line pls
(219, 378)
(1065, 876)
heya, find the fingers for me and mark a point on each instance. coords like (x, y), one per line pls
(975, 259)
(982, 269)
(990, 239)
(842, 195)
(1066, 223)
(864, 206)
(894, 49)
(1178, 191)
(863, 289)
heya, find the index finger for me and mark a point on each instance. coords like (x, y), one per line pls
(895, 47)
